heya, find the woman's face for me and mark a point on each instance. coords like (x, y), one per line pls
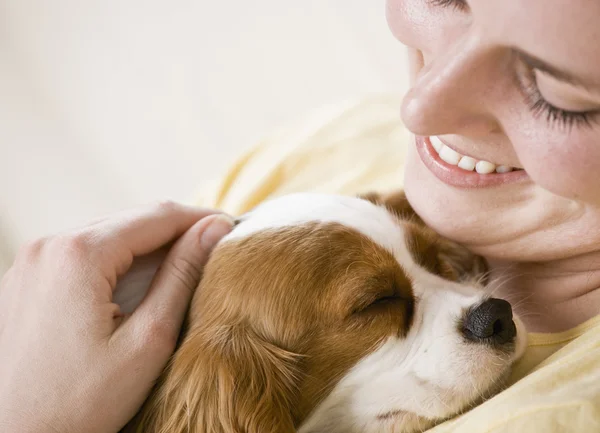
(515, 84)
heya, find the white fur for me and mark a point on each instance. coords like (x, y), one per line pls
(372, 221)
(430, 374)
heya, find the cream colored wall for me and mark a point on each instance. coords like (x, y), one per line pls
(109, 103)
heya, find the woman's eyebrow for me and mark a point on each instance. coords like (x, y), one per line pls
(562, 75)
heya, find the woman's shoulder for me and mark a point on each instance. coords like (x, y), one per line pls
(347, 148)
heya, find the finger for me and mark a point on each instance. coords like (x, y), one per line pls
(127, 213)
(162, 311)
(147, 229)
(141, 231)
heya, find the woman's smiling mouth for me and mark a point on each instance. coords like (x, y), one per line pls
(464, 171)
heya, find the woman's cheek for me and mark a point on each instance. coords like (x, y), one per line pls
(564, 163)
(409, 21)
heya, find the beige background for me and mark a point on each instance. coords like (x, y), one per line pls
(105, 104)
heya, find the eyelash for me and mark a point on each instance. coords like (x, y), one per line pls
(534, 99)
(458, 4)
(554, 115)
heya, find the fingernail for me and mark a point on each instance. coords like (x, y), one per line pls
(219, 227)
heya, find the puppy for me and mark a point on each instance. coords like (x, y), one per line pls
(332, 314)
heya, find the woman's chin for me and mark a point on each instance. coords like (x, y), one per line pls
(442, 207)
(483, 219)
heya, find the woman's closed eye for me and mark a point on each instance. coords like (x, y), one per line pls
(458, 4)
(540, 106)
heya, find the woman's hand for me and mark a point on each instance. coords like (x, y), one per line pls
(70, 359)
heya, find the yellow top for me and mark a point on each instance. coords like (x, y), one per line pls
(358, 147)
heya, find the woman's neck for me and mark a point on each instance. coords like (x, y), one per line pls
(550, 296)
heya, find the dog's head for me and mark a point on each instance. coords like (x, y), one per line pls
(334, 314)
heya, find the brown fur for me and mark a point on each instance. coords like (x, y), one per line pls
(397, 203)
(278, 319)
(438, 255)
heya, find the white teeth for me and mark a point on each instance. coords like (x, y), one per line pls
(436, 143)
(485, 167)
(503, 169)
(467, 163)
(449, 155)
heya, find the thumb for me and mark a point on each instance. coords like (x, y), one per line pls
(162, 311)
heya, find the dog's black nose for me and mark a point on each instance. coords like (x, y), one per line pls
(490, 321)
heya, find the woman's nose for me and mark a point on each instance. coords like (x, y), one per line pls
(455, 91)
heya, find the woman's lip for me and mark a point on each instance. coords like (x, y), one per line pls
(455, 176)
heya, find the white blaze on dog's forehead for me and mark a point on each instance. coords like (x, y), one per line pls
(291, 210)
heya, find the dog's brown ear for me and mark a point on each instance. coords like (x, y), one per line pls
(458, 263)
(224, 381)
(438, 255)
(442, 256)
(396, 202)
